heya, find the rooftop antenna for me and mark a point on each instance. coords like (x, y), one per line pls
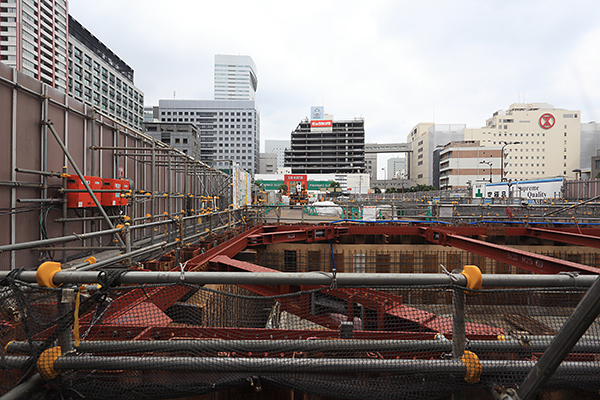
(173, 94)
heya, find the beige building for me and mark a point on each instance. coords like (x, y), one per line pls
(464, 163)
(549, 140)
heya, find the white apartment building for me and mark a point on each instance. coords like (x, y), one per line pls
(235, 78)
(229, 130)
(33, 39)
(99, 78)
(549, 140)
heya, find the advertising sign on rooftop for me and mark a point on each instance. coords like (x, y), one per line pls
(316, 113)
(321, 126)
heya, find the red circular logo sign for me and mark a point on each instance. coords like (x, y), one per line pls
(547, 121)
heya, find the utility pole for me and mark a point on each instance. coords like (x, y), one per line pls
(502, 178)
(489, 163)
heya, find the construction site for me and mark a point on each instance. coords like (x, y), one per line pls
(130, 270)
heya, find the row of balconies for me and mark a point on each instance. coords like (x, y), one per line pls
(329, 143)
(317, 150)
(325, 161)
(316, 155)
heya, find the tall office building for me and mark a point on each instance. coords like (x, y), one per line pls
(229, 130)
(396, 168)
(99, 78)
(33, 39)
(324, 146)
(235, 78)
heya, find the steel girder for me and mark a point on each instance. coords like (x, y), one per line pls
(519, 258)
(452, 236)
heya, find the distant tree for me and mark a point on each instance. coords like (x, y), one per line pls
(334, 185)
(420, 188)
(283, 188)
(376, 190)
(598, 175)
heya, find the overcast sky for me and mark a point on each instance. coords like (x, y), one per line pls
(395, 63)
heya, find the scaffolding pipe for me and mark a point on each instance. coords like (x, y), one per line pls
(26, 389)
(64, 239)
(319, 365)
(86, 266)
(31, 171)
(82, 275)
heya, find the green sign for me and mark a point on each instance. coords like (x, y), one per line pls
(270, 185)
(312, 185)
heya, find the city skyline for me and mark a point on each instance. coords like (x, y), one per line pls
(394, 64)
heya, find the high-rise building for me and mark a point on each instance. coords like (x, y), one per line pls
(33, 39)
(99, 78)
(229, 130)
(396, 168)
(425, 138)
(278, 147)
(235, 78)
(324, 146)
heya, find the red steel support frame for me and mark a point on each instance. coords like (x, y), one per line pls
(519, 258)
(452, 236)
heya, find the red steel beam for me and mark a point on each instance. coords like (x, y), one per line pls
(229, 248)
(519, 258)
(565, 237)
(302, 233)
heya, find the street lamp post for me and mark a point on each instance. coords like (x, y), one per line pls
(489, 163)
(502, 178)
(384, 179)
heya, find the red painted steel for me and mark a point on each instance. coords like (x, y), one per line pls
(519, 258)
(384, 305)
(451, 236)
(296, 233)
(229, 248)
(565, 237)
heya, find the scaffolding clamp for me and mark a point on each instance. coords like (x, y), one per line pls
(473, 275)
(473, 365)
(45, 363)
(45, 273)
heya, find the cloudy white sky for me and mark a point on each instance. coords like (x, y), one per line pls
(395, 63)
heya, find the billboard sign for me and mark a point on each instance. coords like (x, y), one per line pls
(321, 126)
(532, 190)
